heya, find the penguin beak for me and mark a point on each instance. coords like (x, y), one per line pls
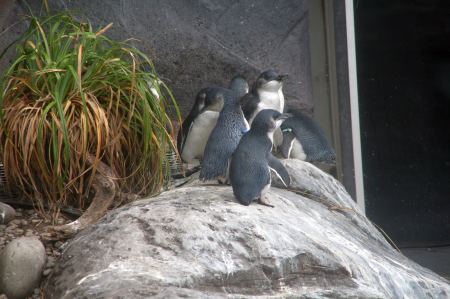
(282, 117)
(282, 77)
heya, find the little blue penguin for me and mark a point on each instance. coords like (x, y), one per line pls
(252, 161)
(266, 93)
(224, 139)
(303, 139)
(199, 123)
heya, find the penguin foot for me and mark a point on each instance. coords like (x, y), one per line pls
(223, 181)
(265, 202)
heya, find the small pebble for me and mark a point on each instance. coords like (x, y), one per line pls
(14, 222)
(24, 222)
(30, 212)
(19, 231)
(11, 226)
(34, 221)
(50, 261)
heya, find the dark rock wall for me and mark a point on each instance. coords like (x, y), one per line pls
(11, 25)
(199, 43)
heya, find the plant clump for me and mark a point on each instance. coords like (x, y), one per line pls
(72, 93)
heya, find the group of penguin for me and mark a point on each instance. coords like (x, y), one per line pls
(234, 131)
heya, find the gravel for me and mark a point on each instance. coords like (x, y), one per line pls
(28, 222)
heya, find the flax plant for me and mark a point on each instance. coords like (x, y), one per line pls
(72, 92)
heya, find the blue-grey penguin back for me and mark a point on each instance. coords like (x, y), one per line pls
(311, 137)
(251, 162)
(224, 138)
(249, 171)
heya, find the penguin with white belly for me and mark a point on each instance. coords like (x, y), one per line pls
(202, 119)
(266, 93)
(304, 139)
(198, 125)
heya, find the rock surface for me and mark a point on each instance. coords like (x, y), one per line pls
(7, 213)
(198, 242)
(21, 264)
(197, 43)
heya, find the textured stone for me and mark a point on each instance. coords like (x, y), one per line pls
(21, 264)
(198, 242)
(7, 213)
(195, 44)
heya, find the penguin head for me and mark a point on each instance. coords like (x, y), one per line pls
(269, 81)
(213, 102)
(268, 120)
(200, 100)
(239, 85)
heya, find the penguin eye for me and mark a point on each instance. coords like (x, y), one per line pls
(287, 130)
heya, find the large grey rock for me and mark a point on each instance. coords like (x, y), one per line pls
(21, 264)
(7, 213)
(198, 242)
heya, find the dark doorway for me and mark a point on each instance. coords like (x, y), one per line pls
(403, 55)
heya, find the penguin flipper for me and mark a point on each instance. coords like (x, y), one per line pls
(183, 134)
(276, 166)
